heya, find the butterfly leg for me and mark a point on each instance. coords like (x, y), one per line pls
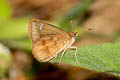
(74, 47)
(62, 55)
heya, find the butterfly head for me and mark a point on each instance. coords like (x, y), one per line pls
(73, 34)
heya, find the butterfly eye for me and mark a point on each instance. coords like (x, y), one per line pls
(74, 34)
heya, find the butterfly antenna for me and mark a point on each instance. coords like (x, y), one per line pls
(71, 21)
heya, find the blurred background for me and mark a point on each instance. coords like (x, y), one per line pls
(96, 21)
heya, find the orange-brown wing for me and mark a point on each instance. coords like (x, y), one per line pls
(47, 40)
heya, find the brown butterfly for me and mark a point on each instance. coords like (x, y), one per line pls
(48, 40)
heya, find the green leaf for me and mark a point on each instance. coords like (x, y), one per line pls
(14, 29)
(101, 58)
(5, 10)
(14, 33)
(24, 45)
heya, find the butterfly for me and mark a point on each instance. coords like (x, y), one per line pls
(48, 40)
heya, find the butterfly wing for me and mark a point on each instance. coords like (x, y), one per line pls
(47, 40)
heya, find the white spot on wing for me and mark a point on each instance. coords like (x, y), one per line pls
(33, 23)
(41, 26)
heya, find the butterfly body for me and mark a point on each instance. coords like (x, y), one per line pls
(48, 40)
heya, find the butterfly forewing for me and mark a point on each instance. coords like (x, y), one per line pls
(47, 40)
